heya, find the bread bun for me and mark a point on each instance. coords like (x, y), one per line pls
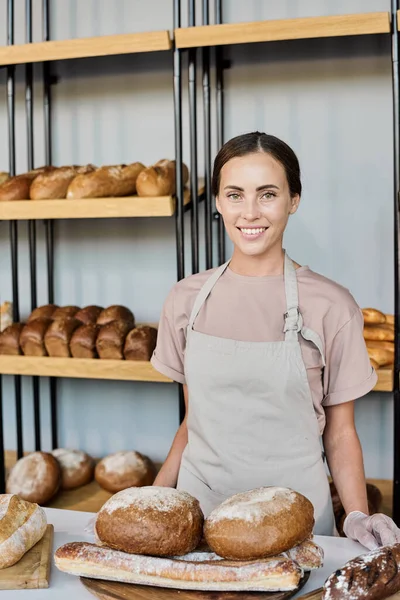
(64, 312)
(35, 478)
(89, 314)
(116, 312)
(32, 337)
(9, 339)
(140, 343)
(22, 525)
(372, 316)
(384, 332)
(111, 339)
(77, 467)
(45, 311)
(259, 523)
(83, 341)
(156, 521)
(58, 336)
(124, 469)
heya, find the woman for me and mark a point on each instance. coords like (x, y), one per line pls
(271, 356)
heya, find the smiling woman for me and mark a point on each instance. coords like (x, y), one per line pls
(271, 356)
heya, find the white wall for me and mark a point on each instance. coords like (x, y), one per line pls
(330, 99)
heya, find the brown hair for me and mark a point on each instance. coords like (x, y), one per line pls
(249, 143)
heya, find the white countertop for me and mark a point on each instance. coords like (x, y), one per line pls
(69, 527)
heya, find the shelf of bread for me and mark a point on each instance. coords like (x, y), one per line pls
(379, 339)
(127, 43)
(283, 29)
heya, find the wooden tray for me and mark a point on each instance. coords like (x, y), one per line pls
(33, 570)
(112, 590)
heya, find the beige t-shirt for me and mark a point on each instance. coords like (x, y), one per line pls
(252, 308)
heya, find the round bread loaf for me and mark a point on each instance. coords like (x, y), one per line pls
(77, 467)
(259, 523)
(157, 521)
(123, 470)
(35, 478)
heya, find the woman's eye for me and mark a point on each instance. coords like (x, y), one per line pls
(234, 197)
(268, 196)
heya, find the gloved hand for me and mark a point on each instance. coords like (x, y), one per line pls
(372, 532)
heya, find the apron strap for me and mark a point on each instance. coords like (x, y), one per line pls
(205, 292)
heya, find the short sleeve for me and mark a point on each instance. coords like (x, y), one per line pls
(168, 357)
(348, 373)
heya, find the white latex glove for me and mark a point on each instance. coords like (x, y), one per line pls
(372, 532)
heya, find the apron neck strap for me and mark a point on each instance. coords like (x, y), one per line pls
(293, 318)
(205, 292)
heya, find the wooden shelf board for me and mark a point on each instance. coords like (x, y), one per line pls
(84, 368)
(90, 208)
(128, 43)
(385, 380)
(283, 29)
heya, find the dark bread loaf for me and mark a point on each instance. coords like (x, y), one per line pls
(45, 311)
(118, 180)
(9, 339)
(58, 337)
(32, 337)
(83, 341)
(111, 339)
(89, 314)
(116, 312)
(54, 184)
(140, 343)
(372, 576)
(64, 312)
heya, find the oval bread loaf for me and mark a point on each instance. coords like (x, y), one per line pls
(157, 521)
(76, 466)
(259, 523)
(123, 470)
(384, 332)
(372, 316)
(35, 478)
(381, 356)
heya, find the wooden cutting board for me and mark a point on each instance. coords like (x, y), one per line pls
(112, 590)
(33, 570)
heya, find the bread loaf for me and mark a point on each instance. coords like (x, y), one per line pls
(89, 314)
(140, 343)
(3, 177)
(111, 339)
(32, 337)
(22, 525)
(45, 311)
(64, 312)
(384, 332)
(89, 560)
(124, 469)
(17, 188)
(116, 313)
(372, 316)
(171, 164)
(153, 520)
(54, 184)
(308, 555)
(372, 576)
(119, 180)
(156, 181)
(381, 356)
(35, 478)
(9, 340)
(390, 319)
(259, 523)
(58, 337)
(76, 466)
(83, 341)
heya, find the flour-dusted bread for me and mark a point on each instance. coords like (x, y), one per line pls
(123, 470)
(158, 521)
(259, 523)
(77, 467)
(53, 185)
(22, 525)
(35, 478)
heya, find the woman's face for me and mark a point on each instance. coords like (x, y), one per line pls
(255, 203)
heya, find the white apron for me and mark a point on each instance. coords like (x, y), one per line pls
(251, 420)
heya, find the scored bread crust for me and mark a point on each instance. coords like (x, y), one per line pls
(88, 560)
(22, 525)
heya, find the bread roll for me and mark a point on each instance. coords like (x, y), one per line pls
(268, 575)
(259, 523)
(22, 525)
(58, 337)
(83, 341)
(119, 180)
(52, 185)
(77, 467)
(171, 164)
(153, 520)
(140, 343)
(32, 337)
(115, 313)
(384, 332)
(123, 470)
(35, 478)
(45, 311)
(111, 339)
(6, 315)
(372, 576)
(156, 181)
(9, 340)
(64, 312)
(3, 177)
(89, 314)
(372, 316)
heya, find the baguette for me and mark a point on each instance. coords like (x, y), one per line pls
(384, 332)
(390, 319)
(381, 356)
(88, 560)
(372, 316)
(119, 180)
(54, 184)
(17, 188)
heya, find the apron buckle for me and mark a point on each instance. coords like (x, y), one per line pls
(293, 320)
